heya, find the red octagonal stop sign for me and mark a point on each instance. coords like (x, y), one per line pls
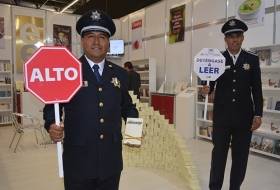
(53, 74)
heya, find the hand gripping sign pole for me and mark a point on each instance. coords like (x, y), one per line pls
(58, 144)
(209, 65)
(53, 80)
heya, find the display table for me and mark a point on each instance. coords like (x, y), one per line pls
(185, 112)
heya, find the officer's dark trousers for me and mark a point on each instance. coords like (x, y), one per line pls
(111, 183)
(240, 144)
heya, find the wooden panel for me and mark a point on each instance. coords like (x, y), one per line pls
(164, 104)
(18, 106)
(156, 102)
(168, 108)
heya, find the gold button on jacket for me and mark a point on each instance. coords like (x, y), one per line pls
(101, 136)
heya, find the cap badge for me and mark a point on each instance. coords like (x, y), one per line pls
(116, 82)
(95, 16)
(232, 23)
(246, 66)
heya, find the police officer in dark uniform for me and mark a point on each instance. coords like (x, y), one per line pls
(238, 106)
(92, 157)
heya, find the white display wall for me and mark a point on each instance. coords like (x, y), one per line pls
(277, 41)
(206, 17)
(154, 47)
(24, 12)
(140, 53)
(203, 22)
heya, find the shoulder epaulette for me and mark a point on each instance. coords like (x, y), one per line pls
(250, 52)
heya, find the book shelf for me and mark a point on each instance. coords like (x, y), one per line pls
(147, 70)
(270, 128)
(6, 92)
(270, 73)
(203, 126)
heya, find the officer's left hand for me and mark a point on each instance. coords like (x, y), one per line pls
(257, 121)
(135, 145)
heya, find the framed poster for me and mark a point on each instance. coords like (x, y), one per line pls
(62, 36)
(177, 24)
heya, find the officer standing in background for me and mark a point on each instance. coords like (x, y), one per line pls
(237, 110)
(92, 157)
(133, 81)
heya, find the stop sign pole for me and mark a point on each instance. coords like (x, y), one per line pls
(209, 65)
(53, 75)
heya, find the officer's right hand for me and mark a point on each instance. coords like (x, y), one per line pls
(56, 132)
(205, 90)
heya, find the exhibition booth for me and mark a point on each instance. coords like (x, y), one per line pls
(170, 101)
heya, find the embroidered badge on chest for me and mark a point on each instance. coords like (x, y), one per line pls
(116, 82)
(246, 66)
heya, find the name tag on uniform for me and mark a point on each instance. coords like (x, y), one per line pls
(85, 83)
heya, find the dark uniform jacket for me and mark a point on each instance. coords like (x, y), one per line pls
(134, 82)
(93, 139)
(238, 95)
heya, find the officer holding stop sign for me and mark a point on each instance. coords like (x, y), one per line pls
(92, 157)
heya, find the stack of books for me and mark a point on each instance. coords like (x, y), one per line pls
(265, 144)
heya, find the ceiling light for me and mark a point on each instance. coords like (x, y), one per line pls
(68, 6)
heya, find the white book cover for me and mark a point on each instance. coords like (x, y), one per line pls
(269, 103)
(133, 131)
(270, 122)
(265, 101)
(170, 87)
(161, 87)
(180, 86)
(264, 57)
(275, 58)
(256, 141)
(270, 79)
(20, 86)
(273, 78)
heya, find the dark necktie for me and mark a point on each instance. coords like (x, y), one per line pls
(96, 72)
(234, 59)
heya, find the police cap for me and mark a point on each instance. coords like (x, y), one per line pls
(234, 26)
(96, 20)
